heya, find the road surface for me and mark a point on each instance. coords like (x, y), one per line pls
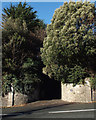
(72, 110)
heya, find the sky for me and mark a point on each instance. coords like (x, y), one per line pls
(45, 9)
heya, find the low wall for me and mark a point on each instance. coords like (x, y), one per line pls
(19, 98)
(78, 93)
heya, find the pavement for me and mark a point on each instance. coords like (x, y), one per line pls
(41, 109)
(33, 106)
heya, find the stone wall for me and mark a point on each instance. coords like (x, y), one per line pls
(78, 93)
(19, 98)
(94, 95)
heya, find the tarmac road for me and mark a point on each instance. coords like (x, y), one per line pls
(49, 110)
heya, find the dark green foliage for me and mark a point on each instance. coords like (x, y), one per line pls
(93, 82)
(8, 81)
(21, 60)
(77, 75)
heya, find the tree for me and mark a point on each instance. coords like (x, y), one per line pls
(69, 50)
(21, 44)
(24, 13)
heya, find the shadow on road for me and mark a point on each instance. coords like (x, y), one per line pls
(32, 110)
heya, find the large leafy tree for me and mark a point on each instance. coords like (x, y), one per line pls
(69, 50)
(21, 44)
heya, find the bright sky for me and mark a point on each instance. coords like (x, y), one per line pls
(45, 10)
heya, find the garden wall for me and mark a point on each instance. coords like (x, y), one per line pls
(78, 93)
(19, 98)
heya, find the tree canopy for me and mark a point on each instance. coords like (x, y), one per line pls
(21, 42)
(25, 13)
(69, 50)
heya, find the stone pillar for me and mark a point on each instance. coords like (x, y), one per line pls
(11, 97)
(9, 103)
(88, 90)
(94, 95)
